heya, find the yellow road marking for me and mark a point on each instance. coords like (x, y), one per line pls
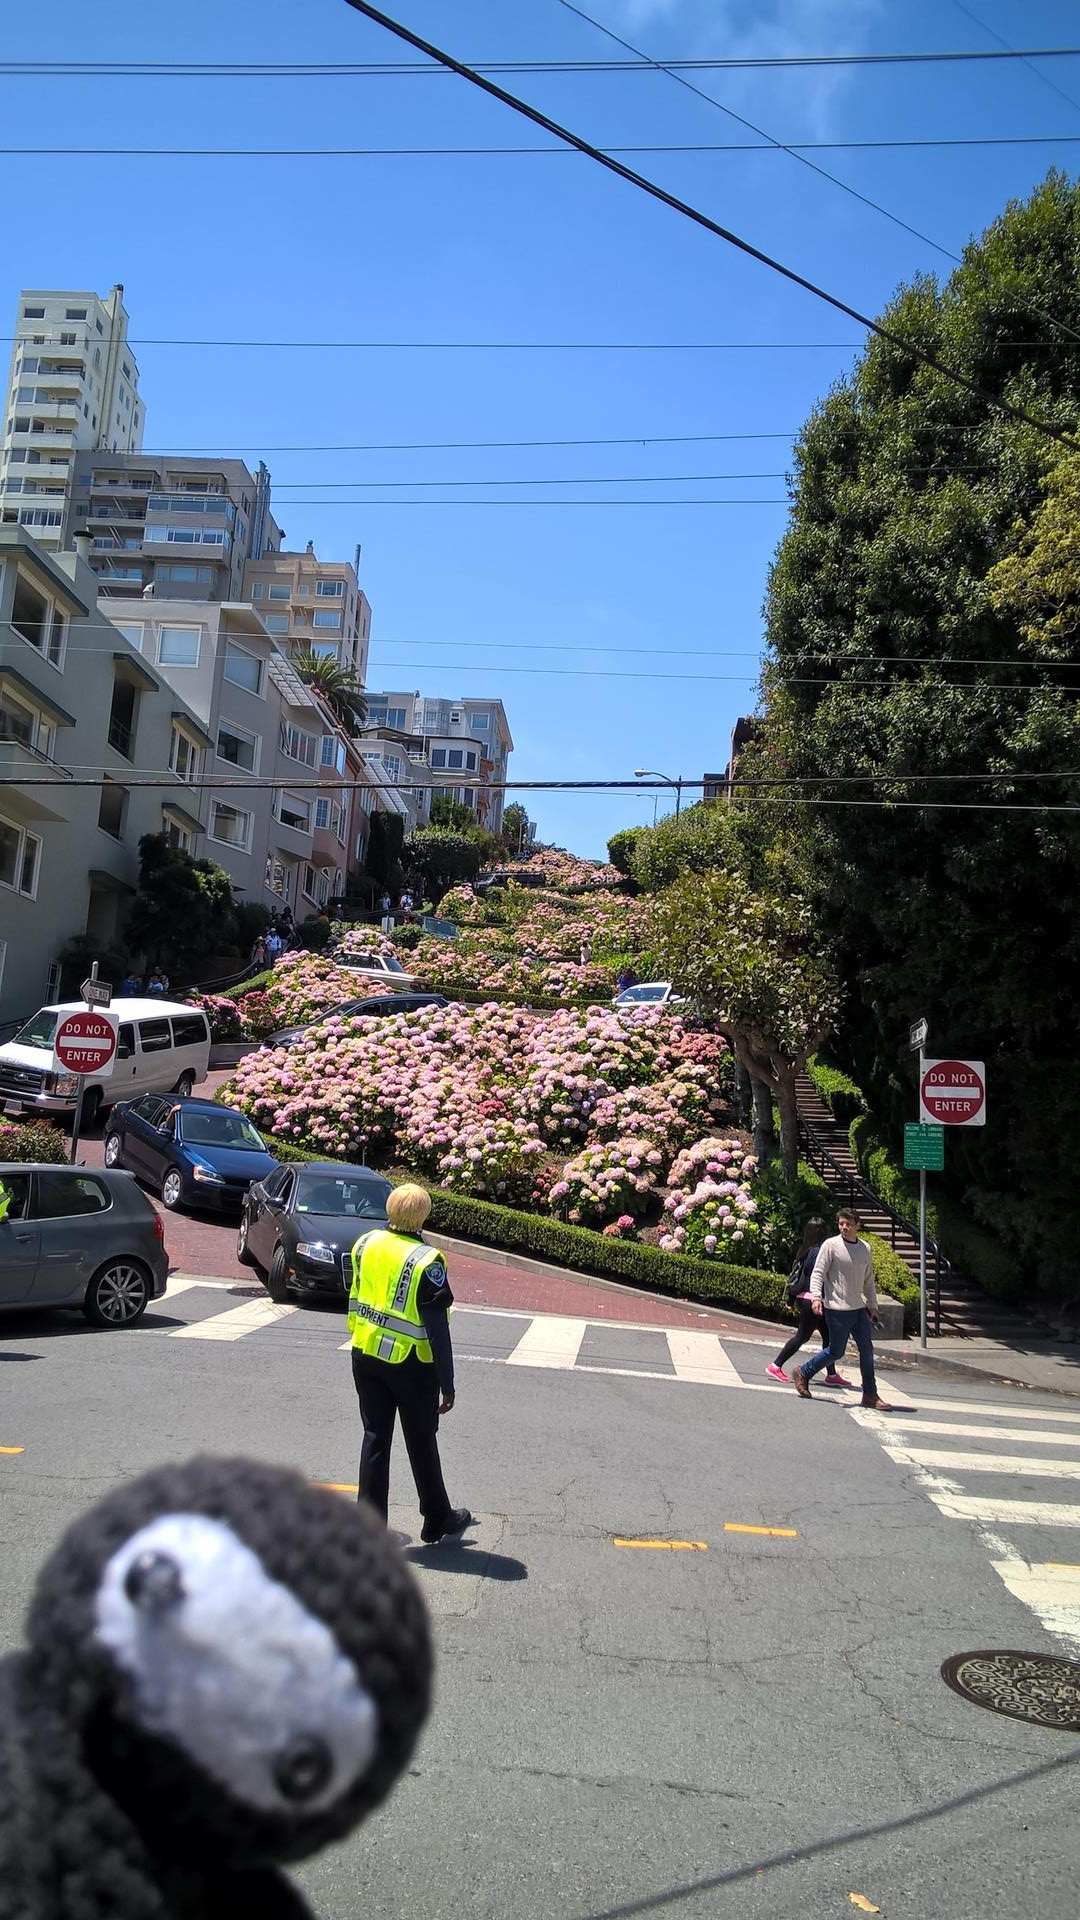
(860, 1900)
(1059, 1566)
(337, 1486)
(12, 1449)
(665, 1546)
(777, 1533)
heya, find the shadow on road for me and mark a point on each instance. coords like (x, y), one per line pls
(477, 1561)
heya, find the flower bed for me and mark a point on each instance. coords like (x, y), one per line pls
(30, 1140)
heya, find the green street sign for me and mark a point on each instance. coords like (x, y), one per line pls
(924, 1147)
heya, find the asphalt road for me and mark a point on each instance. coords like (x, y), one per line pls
(752, 1725)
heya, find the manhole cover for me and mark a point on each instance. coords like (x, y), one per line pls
(1024, 1686)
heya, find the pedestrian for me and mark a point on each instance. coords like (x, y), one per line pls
(158, 982)
(586, 952)
(627, 978)
(258, 952)
(798, 1294)
(842, 1286)
(387, 911)
(405, 903)
(130, 986)
(274, 944)
(402, 1358)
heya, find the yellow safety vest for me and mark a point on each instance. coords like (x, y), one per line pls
(384, 1319)
(5, 1201)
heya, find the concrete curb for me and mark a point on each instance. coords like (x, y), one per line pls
(912, 1360)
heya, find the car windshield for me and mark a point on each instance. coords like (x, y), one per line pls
(643, 993)
(391, 963)
(39, 1031)
(224, 1129)
(337, 1194)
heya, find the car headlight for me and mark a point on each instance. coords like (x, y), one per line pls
(317, 1250)
(66, 1084)
(208, 1176)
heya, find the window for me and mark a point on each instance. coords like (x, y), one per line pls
(332, 753)
(239, 748)
(277, 590)
(176, 835)
(327, 617)
(479, 722)
(230, 826)
(62, 1195)
(132, 632)
(68, 339)
(322, 813)
(256, 589)
(33, 313)
(304, 590)
(244, 669)
(74, 313)
(299, 745)
(30, 613)
(395, 717)
(276, 622)
(453, 757)
(17, 722)
(155, 1036)
(329, 589)
(438, 756)
(173, 571)
(20, 858)
(111, 809)
(183, 754)
(127, 369)
(293, 812)
(190, 1030)
(178, 646)
(325, 649)
(470, 762)
(393, 765)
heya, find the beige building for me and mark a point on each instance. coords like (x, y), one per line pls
(466, 744)
(73, 384)
(171, 529)
(314, 604)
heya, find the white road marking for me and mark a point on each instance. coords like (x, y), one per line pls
(1005, 1513)
(1030, 1466)
(1052, 1593)
(955, 1430)
(700, 1357)
(184, 1282)
(234, 1324)
(549, 1341)
(998, 1409)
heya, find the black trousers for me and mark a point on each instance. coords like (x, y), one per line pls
(411, 1391)
(808, 1320)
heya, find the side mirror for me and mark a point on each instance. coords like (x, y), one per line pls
(123, 1053)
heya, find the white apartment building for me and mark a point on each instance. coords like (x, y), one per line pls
(313, 604)
(170, 528)
(468, 738)
(73, 384)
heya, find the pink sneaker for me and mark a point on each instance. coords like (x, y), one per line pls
(776, 1373)
(837, 1380)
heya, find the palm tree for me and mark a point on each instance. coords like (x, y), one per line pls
(341, 690)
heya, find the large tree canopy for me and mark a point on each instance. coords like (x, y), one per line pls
(920, 628)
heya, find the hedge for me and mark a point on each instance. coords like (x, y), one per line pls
(971, 1248)
(749, 1289)
(895, 1278)
(255, 983)
(30, 1140)
(843, 1098)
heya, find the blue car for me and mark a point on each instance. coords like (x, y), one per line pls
(197, 1153)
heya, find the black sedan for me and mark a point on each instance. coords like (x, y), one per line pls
(373, 1005)
(197, 1153)
(299, 1226)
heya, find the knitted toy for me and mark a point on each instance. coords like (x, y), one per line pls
(226, 1668)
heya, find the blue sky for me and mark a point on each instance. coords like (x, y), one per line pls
(618, 636)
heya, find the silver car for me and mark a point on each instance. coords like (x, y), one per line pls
(80, 1237)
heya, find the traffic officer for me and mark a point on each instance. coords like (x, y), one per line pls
(402, 1359)
(5, 1201)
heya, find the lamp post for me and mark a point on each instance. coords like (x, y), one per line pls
(650, 773)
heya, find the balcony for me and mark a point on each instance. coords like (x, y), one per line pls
(20, 761)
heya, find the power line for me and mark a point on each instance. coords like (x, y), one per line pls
(515, 346)
(767, 145)
(459, 446)
(1025, 57)
(340, 70)
(297, 487)
(683, 207)
(796, 680)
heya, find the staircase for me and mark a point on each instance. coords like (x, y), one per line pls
(955, 1307)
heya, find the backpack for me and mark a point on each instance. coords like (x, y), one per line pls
(796, 1282)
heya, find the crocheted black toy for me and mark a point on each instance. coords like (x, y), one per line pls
(226, 1668)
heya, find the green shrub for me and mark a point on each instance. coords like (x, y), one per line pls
(314, 933)
(786, 1210)
(843, 1098)
(971, 1248)
(894, 1278)
(255, 983)
(33, 1140)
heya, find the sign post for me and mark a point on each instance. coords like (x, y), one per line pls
(952, 1093)
(85, 1043)
(917, 1039)
(924, 1149)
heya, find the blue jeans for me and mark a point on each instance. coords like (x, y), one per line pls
(843, 1327)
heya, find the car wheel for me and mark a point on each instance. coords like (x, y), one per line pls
(118, 1294)
(114, 1147)
(276, 1284)
(243, 1251)
(172, 1189)
(184, 1085)
(90, 1109)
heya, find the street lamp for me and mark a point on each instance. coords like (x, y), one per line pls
(650, 773)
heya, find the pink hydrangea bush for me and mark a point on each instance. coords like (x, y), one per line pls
(257, 1017)
(303, 985)
(612, 1179)
(709, 1211)
(222, 1013)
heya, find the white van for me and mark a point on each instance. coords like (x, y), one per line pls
(162, 1047)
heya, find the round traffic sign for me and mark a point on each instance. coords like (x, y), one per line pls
(84, 1043)
(953, 1092)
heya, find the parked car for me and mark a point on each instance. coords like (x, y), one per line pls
(650, 993)
(381, 969)
(199, 1154)
(375, 1006)
(80, 1237)
(521, 876)
(299, 1225)
(162, 1046)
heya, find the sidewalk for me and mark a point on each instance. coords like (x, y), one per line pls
(1050, 1366)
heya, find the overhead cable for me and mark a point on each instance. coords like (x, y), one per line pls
(341, 70)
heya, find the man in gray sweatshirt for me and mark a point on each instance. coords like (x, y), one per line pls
(842, 1286)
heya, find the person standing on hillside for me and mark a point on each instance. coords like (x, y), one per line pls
(842, 1287)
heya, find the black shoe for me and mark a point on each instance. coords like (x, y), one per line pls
(455, 1522)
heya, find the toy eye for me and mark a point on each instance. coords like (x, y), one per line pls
(304, 1767)
(153, 1583)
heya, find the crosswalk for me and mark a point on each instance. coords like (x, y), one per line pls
(1012, 1472)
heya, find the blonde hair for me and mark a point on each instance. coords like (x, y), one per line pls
(407, 1208)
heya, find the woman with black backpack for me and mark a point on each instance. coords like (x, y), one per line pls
(798, 1297)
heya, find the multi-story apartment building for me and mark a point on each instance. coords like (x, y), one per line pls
(315, 604)
(77, 700)
(468, 738)
(170, 528)
(73, 384)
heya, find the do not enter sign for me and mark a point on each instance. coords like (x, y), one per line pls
(85, 1043)
(953, 1092)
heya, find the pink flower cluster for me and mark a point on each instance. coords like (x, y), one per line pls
(222, 1013)
(709, 1211)
(617, 1174)
(573, 1059)
(303, 985)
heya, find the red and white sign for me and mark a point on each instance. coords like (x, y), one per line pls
(85, 1043)
(953, 1093)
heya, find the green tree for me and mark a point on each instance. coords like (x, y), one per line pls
(705, 837)
(452, 814)
(620, 849)
(754, 962)
(342, 691)
(439, 859)
(921, 632)
(183, 911)
(514, 833)
(386, 838)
